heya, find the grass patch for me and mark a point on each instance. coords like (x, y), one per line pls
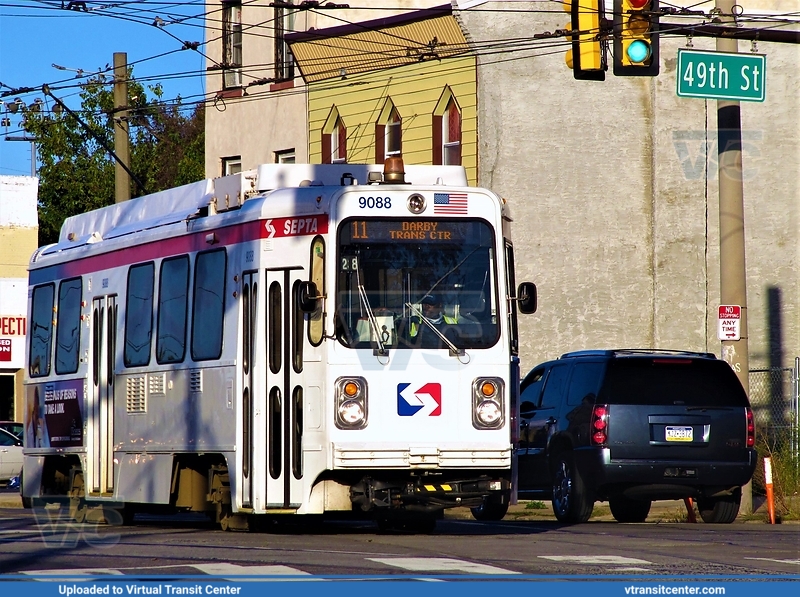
(785, 475)
(535, 505)
(677, 515)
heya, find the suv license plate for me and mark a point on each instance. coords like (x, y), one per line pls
(679, 434)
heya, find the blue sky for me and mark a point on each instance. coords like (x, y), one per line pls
(35, 34)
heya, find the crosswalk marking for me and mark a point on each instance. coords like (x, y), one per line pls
(441, 565)
(797, 562)
(75, 572)
(227, 571)
(596, 559)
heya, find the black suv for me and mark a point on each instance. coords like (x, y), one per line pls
(631, 426)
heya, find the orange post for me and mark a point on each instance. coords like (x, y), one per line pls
(770, 495)
(690, 509)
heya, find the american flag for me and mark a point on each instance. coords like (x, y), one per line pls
(450, 203)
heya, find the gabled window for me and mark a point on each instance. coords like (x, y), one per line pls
(337, 153)
(394, 134)
(232, 43)
(283, 24)
(446, 133)
(334, 139)
(451, 135)
(388, 133)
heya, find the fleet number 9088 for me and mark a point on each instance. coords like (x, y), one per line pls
(375, 202)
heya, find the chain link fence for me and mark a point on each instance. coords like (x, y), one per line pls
(774, 399)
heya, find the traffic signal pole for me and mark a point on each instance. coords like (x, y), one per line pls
(732, 270)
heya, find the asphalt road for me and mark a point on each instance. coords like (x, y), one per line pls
(43, 543)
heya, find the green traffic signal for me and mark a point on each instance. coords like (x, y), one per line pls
(636, 38)
(638, 51)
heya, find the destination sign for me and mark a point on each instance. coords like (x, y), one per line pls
(386, 230)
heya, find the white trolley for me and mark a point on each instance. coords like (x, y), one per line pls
(253, 345)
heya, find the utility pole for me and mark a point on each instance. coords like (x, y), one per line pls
(732, 270)
(122, 181)
(32, 141)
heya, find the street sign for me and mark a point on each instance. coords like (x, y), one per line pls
(728, 322)
(721, 75)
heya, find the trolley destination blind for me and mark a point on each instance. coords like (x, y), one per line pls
(412, 229)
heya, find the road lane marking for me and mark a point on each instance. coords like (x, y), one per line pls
(596, 559)
(441, 565)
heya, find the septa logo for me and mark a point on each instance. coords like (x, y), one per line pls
(425, 401)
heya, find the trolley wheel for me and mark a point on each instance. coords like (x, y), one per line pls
(231, 522)
(77, 502)
(492, 509)
(78, 509)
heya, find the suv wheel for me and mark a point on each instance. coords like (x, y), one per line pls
(627, 510)
(720, 510)
(571, 501)
(491, 509)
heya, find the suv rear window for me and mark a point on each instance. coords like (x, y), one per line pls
(662, 381)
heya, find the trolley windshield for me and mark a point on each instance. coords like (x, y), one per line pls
(416, 283)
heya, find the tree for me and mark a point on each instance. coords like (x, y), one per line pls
(76, 174)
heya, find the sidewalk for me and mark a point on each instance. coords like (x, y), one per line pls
(663, 511)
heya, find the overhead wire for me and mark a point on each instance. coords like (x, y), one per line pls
(480, 49)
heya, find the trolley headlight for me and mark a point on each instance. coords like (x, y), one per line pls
(351, 413)
(351, 403)
(489, 413)
(488, 403)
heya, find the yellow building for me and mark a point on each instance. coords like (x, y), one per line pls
(376, 103)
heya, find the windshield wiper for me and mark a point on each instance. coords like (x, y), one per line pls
(373, 322)
(452, 269)
(454, 350)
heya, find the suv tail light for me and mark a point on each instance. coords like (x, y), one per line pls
(599, 425)
(751, 428)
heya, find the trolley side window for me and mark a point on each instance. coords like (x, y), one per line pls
(41, 330)
(208, 305)
(139, 315)
(68, 327)
(317, 269)
(511, 284)
(173, 295)
(298, 320)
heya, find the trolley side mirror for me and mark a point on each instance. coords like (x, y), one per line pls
(526, 297)
(308, 297)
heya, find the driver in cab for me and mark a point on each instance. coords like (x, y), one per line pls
(433, 312)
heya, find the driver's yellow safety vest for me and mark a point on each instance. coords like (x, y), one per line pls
(415, 326)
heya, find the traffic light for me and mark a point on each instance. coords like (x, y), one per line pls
(636, 38)
(587, 58)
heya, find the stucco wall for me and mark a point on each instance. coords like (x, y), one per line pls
(616, 219)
